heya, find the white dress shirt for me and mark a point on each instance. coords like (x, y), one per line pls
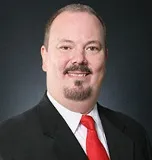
(73, 121)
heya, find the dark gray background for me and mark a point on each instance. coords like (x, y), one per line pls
(127, 86)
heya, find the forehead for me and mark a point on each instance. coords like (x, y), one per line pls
(76, 24)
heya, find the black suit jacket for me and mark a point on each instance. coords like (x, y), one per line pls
(42, 134)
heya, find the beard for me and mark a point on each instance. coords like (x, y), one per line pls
(79, 93)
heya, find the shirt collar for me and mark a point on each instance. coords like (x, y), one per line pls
(70, 117)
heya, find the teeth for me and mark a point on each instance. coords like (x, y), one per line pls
(77, 75)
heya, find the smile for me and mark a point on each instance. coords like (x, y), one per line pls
(77, 74)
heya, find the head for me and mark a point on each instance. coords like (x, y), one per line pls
(74, 56)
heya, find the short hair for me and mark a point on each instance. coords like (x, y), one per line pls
(71, 8)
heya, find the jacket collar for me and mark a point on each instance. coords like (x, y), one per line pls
(119, 144)
(54, 126)
(66, 145)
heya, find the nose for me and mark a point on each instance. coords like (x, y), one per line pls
(79, 57)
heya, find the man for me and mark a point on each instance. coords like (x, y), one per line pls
(62, 126)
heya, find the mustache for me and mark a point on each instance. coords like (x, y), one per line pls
(82, 68)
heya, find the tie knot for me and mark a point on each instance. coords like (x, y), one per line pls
(88, 122)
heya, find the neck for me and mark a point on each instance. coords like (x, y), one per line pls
(82, 107)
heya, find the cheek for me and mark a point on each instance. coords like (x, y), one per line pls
(98, 67)
(57, 63)
(98, 64)
(101, 68)
(62, 63)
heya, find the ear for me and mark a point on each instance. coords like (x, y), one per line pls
(44, 55)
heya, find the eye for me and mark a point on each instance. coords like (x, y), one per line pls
(65, 48)
(93, 48)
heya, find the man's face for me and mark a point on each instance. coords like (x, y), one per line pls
(75, 59)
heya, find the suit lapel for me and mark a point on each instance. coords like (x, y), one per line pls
(65, 145)
(119, 144)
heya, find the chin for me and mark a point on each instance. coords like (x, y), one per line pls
(77, 93)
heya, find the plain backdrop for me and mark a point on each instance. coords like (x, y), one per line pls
(127, 85)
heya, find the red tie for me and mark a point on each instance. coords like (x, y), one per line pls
(94, 148)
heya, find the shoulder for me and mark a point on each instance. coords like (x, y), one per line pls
(125, 123)
(129, 127)
(18, 120)
(16, 128)
(119, 119)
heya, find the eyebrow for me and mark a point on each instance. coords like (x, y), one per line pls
(65, 40)
(95, 42)
(89, 42)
